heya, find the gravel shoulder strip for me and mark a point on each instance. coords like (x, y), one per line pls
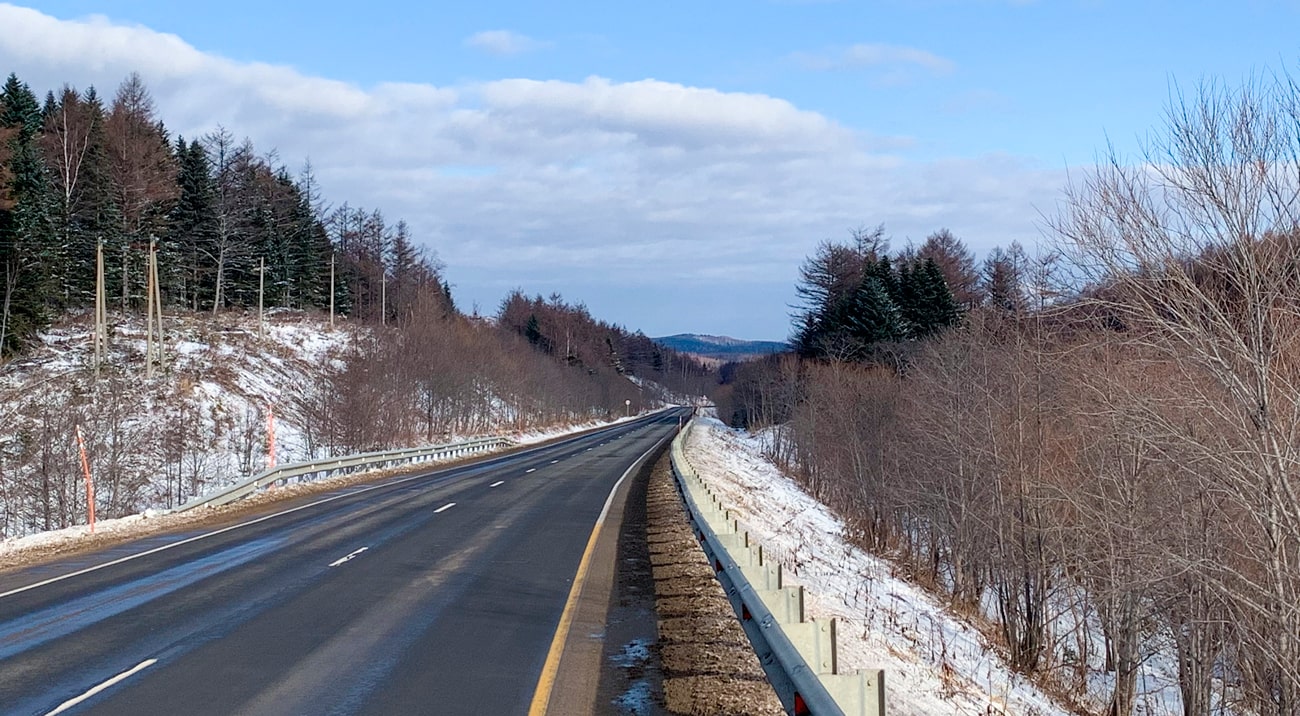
(708, 665)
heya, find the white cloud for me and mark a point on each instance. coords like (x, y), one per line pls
(503, 42)
(875, 56)
(663, 206)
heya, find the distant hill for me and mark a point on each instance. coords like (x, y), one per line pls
(721, 348)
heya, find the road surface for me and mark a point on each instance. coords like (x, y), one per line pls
(434, 593)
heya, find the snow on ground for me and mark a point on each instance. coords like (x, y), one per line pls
(117, 527)
(133, 526)
(199, 424)
(934, 662)
(532, 437)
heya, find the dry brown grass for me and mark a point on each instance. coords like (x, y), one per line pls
(708, 665)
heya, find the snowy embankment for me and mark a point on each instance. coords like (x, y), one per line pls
(935, 662)
(202, 419)
(230, 396)
(40, 544)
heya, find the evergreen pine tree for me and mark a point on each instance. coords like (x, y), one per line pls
(873, 316)
(883, 270)
(27, 239)
(909, 299)
(533, 332)
(310, 248)
(193, 225)
(940, 309)
(450, 306)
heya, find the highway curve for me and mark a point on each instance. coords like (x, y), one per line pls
(434, 593)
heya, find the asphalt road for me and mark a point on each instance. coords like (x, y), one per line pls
(431, 594)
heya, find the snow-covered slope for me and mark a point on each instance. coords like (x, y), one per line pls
(203, 419)
(935, 662)
(40, 545)
(228, 399)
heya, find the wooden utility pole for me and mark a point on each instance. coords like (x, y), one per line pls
(153, 306)
(332, 255)
(148, 309)
(157, 301)
(101, 310)
(383, 298)
(261, 291)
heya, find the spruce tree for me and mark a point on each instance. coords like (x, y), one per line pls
(873, 316)
(311, 246)
(450, 305)
(193, 226)
(27, 241)
(533, 332)
(909, 299)
(940, 307)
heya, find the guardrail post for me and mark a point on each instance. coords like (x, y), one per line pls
(755, 586)
(785, 603)
(816, 641)
(858, 693)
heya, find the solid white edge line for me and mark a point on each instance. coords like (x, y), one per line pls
(352, 554)
(498, 483)
(196, 538)
(447, 506)
(124, 675)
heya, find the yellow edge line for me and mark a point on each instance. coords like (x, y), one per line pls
(545, 684)
(542, 695)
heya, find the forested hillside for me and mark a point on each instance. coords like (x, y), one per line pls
(569, 333)
(1099, 452)
(230, 229)
(81, 171)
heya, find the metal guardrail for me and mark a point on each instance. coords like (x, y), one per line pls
(798, 655)
(347, 464)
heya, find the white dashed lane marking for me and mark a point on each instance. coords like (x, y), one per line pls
(120, 677)
(341, 560)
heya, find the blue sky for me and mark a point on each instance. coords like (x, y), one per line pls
(687, 203)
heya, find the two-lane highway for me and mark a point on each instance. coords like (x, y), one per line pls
(434, 593)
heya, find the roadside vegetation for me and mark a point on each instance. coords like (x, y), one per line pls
(1098, 452)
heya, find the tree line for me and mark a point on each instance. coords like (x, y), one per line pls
(569, 333)
(1102, 454)
(78, 173)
